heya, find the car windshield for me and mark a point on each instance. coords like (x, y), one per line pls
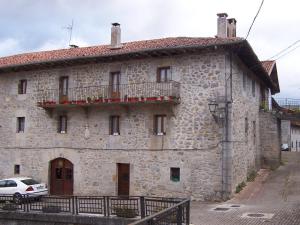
(29, 182)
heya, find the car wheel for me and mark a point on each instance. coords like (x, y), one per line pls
(17, 198)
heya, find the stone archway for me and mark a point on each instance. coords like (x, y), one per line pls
(61, 177)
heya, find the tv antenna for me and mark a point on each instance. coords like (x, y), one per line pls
(70, 30)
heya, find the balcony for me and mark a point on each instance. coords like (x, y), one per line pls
(138, 93)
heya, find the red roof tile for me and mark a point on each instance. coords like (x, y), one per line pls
(268, 65)
(105, 50)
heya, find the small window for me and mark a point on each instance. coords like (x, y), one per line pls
(114, 125)
(254, 132)
(62, 124)
(17, 169)
(63, 86)
(246, 126)
(160, 124)
(253, 88)
(20, 124)
(11, 183)
(164, 74)
(175, 174)
(22, 86)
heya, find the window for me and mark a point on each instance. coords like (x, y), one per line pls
(29, 182)
(17, 169)
(2, 183)
(246, 126)
(164, 74)
(20, 124)
(62, 124)
(114, 125)
(244, 81)
(115, 81)
(253, 88)
(63, 86)
(160, 124)
(175, 174)
(11, 183)
(22, 86)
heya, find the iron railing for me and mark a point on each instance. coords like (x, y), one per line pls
(177, 214)
(288, 103)
(108, 93)
(155, 210)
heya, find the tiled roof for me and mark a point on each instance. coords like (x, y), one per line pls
(268, 65)
(105, 50)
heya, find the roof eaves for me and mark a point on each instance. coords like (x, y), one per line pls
(121, 54)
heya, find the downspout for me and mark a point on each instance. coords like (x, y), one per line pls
(226, 150)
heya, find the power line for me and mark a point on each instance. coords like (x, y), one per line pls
(284, 49)
(288, 52)
(262, 2)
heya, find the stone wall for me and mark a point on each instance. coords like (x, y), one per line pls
(191, 143)
(244, 138)
(270, 137)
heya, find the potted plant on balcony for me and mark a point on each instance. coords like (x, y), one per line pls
(151, 99)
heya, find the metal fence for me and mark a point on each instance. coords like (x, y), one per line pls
(156, 210)
(105, 93)
(288, 103)
(177, 214)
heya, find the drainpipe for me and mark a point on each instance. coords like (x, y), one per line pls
(226, 148)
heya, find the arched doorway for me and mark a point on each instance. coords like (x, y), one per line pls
(61, 177)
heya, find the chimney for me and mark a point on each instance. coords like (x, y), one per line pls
(116, 36)
(222, 25)
(231, 28)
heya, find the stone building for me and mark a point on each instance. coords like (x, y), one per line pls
(168, 117)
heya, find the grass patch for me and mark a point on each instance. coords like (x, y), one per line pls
(240, 187)
(251, 176)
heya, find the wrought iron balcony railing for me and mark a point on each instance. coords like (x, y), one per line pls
(123, 94)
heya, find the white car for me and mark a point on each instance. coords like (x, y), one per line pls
(21, 186)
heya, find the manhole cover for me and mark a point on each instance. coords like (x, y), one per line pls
(235, 206)
(221, 209)
(257, 215)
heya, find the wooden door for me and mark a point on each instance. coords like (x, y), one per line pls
(114, 83)
(123, 179)
(63, 89)
(61, 178)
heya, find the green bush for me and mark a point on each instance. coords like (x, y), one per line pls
(240, 187)
(251, 176)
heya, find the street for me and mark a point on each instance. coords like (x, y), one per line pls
(273, 198)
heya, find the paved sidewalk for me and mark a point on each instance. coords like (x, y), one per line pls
(274, 198)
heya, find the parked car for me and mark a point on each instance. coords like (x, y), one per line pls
(21, 186)
(285, 147)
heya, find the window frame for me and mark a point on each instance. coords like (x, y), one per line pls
(175, 174)
(17, 169)
(114, 120)
(162, 124)
(63, 85)
(22, 87)
(159, 74)
(62, 124)
(21, 124)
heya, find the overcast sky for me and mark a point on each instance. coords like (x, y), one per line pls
(35, 25)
